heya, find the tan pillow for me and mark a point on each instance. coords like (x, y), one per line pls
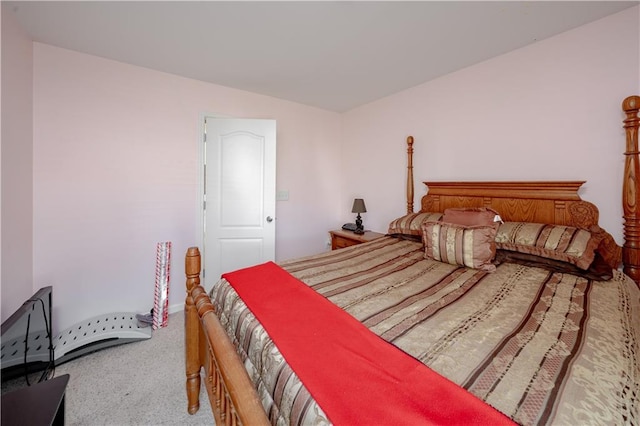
(565, 243)
(410, 224)
(472, 216)
(471, 246)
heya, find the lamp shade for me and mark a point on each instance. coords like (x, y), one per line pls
(358, 206)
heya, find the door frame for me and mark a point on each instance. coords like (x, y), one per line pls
(200, 213)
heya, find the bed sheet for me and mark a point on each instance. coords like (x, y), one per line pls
(541, 347)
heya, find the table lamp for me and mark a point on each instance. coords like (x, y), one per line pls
(358, 207)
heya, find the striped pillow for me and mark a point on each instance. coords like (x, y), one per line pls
(565, 243)
(410, 224)
(471, 246)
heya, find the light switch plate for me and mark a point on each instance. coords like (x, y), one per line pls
(282, 195)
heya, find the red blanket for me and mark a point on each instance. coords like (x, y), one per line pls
(355, 376)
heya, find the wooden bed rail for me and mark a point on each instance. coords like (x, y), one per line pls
(630, 190)
(233, 398)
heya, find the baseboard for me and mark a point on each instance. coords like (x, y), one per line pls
(176, 308)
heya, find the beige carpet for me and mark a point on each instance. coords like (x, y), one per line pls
(140, 383)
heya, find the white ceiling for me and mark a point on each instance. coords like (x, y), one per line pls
(332, 55)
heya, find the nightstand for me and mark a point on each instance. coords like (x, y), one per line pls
(341, 238)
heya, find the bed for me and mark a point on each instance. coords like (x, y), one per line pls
(551, 336)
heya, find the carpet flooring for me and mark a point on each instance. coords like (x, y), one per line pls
(140, 383)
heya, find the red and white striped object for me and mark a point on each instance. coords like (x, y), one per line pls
(161, 299)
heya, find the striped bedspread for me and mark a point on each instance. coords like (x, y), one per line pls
(541, 347)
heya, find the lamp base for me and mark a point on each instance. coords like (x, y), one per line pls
(359, 228)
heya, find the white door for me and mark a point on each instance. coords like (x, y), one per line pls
(240, 195)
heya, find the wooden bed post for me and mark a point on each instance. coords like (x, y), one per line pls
(630, 190)
(410, 174)
(192, 331)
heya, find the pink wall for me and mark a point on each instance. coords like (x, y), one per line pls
(115, 171)
(548, 111)
(17, 176)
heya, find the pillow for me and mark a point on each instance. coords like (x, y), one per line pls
(565, 243)
(599, 270)
(409, 224)
(471, 246)
(471, 216)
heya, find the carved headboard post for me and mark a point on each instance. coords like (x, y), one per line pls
(630, 190)
(410, 174)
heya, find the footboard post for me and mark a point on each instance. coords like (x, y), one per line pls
(192, 330)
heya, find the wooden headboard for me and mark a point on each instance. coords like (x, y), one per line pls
(555, 202)
(528, 201)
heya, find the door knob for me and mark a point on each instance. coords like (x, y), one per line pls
(269, 219)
